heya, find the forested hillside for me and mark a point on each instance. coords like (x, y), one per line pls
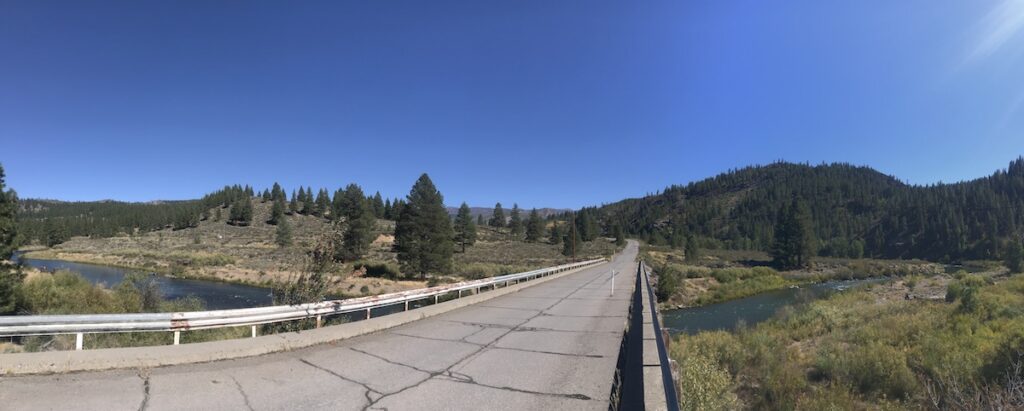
(856, 211)
(50, 222)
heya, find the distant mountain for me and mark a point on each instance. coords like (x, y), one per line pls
(487, 212)
(855, 210)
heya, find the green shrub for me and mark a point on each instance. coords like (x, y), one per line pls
(65, 292)
(704, 385)
(873, 368)
(379, 269)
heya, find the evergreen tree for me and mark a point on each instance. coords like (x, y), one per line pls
(1014, 257)
(480, 219)
(397, 207)
(308, 202)
(56, 232)
(793, 237)
(359, 223)
(10, 276)
(423, 232)
(241, 212)
(8, 211)
(498, 217)
(216, 214)
(378, 205)
(293, 206)
(692, 253)
(322, 203)
(283, 234)
(465, 229)
(338, 204)
(388, 211)
(277, 211)
(620, 237)
(276, 193)
(515, 223)
(534, 227)
(555, 236)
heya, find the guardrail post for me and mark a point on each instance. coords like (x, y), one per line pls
(78, 342)
(435, 298)
(406, 305)
(319, 321)
(254, 331)
(367, 313)
(177, 337)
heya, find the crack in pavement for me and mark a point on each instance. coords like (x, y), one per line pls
(344, 378)
(462, 340)
(145, 390)
(551, 352)
(245, 396)
(467, 379)
(481, 348)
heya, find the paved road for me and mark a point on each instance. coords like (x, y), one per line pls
(550, 346)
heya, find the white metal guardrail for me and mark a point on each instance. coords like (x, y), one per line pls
(79, 325)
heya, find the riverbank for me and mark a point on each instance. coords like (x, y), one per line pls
(719, 276)
(952, 344)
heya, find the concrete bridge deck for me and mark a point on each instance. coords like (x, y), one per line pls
(550, 346)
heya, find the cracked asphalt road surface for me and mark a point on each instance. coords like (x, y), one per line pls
(549, 346)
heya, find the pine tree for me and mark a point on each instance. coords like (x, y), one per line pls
(10, 276)
(378, 205)
(276, 193)
(293, 206)
(241, 212)
(359, 223)
(534, 227)
(465, 229)
(388, 211)
(515, 223)
(396, 208)
(308, 202)
(216, 214)
(692, 253)
(322, 203)
(555, 236)
(423, 233)
(479, 219)
(1014, 257)
(793, 237)
(56, 232)
(283, 234)
(498, 217)
(8, 226)
(277, 211)
(620, 237)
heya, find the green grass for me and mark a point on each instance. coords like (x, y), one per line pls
(854, 351)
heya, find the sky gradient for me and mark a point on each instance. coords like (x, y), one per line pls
(547, 104)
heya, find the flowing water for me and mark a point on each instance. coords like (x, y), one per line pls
(216, 295)
(750, 310)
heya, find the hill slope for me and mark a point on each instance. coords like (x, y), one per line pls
(856, 211)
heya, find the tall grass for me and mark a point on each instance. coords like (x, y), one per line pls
(852, 351)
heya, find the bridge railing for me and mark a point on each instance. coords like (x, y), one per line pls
(28, 325)
(657, 364)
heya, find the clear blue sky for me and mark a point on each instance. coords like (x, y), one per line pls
(543, 103)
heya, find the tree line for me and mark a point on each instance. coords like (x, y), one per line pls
(851, 212)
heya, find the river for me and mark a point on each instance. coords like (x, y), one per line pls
(215, 295)
(749, 310)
